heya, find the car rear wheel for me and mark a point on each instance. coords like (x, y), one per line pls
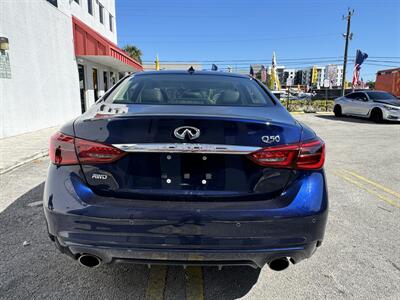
(337, 110)
(376, 115)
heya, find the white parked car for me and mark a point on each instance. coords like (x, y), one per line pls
(376, 105)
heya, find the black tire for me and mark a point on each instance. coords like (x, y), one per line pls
(337, 110)
(376, 115)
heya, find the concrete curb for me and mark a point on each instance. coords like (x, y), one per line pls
(37, 155)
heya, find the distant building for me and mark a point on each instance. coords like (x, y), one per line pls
(257, 68)
(389, 81)
(334, 74)
(288, 77)
(280, 70)
(303, 77)
(172, 66)
(310, 76)
(319, 76)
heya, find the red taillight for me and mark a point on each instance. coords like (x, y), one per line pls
(62, 149)
(278, 156)
(305, 156)
(311, 156)
(96, 153)
(67, 150)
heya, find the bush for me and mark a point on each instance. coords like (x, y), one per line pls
(301, 105)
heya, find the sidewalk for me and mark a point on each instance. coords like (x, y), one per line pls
(18, 150)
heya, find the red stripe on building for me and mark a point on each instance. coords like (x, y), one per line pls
(89, 42)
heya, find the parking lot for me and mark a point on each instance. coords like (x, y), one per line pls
(359, 258)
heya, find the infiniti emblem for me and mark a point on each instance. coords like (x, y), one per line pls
(188, 132)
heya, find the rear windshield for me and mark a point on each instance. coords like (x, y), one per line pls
(186, 89)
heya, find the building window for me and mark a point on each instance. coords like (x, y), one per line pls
(110, 21)
(101, 13)
(54, 2)
(90, 6)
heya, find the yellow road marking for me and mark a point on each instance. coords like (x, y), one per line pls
(379, 186)
(358, 184)
(194, 283)
(156, 283)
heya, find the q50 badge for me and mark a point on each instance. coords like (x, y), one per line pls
(269, 139)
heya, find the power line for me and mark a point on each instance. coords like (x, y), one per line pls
(256, 60)
(285, 61)
(395, 57)
(230, 41)
(381, 65)
(384, 61)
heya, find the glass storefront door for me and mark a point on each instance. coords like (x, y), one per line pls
(95, 84)
(82, 87)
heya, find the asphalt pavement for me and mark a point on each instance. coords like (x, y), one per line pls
(359, 258)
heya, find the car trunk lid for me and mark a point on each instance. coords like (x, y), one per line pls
(212, 166)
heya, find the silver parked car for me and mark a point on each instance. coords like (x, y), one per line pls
(376, 105)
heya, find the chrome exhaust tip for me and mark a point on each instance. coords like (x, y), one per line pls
(279, 264)
(90, 261)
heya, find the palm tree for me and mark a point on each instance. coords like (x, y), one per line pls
(133, 52)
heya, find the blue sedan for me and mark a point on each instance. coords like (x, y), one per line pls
(187, 168)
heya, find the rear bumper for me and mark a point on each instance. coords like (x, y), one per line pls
(205, 233)
(253, 258)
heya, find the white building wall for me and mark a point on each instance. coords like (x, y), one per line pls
(81, 12)
(44, 88)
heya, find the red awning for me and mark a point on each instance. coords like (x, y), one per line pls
(91, 45)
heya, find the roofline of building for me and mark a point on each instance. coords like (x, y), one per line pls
(389, 70)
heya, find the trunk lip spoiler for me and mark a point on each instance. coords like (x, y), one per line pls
(187, 148)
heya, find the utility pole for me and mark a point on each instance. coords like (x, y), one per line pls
(348, 36)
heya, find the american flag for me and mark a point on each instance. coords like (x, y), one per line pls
(360, 58)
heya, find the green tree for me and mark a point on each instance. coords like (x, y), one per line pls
(371, 84)
(133, 52)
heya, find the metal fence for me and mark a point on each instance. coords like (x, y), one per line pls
(314, 101)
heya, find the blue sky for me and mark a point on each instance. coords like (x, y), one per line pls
(232, 30)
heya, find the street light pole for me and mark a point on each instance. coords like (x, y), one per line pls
(348, 37)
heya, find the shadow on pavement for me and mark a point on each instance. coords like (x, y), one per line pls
(354, 120)
(38, 270)
(230, 282)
